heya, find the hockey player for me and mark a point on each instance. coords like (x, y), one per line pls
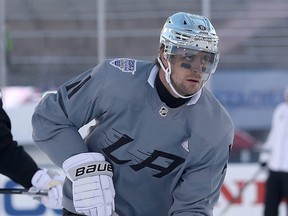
(17, 164)
(162, 140)
(274, 157)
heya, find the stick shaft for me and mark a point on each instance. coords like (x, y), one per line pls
(22, 191)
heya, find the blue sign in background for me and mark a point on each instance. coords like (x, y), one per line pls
(250, 96)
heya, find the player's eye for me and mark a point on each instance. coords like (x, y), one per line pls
(205, 60)
(189, 57)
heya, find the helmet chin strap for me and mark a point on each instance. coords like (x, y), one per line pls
(168, 79)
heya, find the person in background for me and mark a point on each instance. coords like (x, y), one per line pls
(18, 165)
(162, 140)
(275, 158)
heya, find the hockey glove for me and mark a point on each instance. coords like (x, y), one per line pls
(52, 182)
(93, 189)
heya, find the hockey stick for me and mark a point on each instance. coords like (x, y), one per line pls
(22, 191)
(252, 179)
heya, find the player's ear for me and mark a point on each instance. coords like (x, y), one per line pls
(162, 57)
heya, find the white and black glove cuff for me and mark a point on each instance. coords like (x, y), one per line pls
(86, 165)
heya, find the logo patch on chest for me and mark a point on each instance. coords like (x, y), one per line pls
(125, 65)
(163, 111)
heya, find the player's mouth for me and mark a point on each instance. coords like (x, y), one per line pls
(193, 80)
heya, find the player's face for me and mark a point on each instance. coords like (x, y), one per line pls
(188, 72)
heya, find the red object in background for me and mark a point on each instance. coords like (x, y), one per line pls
(243, 140)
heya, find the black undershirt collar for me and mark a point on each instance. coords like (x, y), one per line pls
(165, 95)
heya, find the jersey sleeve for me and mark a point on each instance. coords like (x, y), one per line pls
(15, 162)
(199, 189)
(59, 116)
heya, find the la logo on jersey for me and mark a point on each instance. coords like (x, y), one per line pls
(125, 65)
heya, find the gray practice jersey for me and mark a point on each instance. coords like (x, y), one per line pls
(165, 161)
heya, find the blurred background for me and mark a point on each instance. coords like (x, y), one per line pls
(46, 42)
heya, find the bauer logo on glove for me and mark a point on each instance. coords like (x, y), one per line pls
(88, 169)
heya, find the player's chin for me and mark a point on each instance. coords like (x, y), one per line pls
(193, 87)
(190, 92)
